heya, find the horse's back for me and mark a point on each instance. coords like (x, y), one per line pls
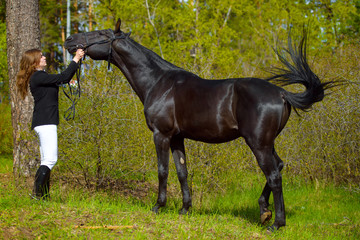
(221, 108)
(204, 109)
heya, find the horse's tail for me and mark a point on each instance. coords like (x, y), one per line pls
(298, 72)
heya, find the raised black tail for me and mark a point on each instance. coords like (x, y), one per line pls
(298, 72)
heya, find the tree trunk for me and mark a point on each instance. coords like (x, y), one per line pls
(90, 15)
(23, 33)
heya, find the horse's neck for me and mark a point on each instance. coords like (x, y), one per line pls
(142, 67)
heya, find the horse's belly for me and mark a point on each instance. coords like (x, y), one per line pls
(211, 137)
(210, 131)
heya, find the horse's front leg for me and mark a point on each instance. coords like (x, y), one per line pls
(162, 145)
(178, 151)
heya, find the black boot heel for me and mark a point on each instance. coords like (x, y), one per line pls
(42, 183)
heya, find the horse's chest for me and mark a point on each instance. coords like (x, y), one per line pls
(159, 113)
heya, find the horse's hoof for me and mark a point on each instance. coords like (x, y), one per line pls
(266, 217)
(272, 229)
(184, 211)
(275, 227)
(155, 209)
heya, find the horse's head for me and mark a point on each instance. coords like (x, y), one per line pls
(97, 44)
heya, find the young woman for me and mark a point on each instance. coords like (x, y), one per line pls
(44, 88)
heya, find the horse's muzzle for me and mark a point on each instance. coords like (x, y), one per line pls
(80, 46)
(72, 47)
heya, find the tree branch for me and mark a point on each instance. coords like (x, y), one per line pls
(153, 24)
(227, 17)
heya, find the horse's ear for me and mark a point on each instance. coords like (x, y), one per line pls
(117, 27)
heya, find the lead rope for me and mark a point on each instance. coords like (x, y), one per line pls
(73, 95)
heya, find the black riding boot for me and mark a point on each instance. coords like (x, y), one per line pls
(42, 183)
(47, 187)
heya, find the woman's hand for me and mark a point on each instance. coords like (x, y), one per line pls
(78, 55)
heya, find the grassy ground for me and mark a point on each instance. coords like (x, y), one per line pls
(313, 212)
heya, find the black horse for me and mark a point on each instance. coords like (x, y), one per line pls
(179, 104)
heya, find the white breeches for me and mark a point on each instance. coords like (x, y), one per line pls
(48, 144)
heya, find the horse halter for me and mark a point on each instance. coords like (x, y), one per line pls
(74, 94)
(109, 40)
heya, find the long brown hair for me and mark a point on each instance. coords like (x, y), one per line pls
(28, 63)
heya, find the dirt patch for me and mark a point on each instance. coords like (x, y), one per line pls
(17, 233)
(6, 177)
(138, 189)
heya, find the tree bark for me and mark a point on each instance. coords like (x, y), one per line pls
(90, 15)
(23, 33)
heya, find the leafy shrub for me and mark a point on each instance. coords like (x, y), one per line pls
(108, 138)
(6, 139)
(324, 143)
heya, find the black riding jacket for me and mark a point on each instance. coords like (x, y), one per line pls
(44, 88)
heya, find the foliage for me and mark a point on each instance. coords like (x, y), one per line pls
(326, 145)
(108, 139)
(218, 39)
(4, 78)
(6, 140)
(2, 10)
(53, 28)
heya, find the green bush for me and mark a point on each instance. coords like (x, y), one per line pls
(108, 138)
(324, 143)
(6, 139)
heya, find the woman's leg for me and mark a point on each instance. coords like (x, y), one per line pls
(49, 152)
(48, 144)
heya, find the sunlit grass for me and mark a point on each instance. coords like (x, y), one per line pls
(313, 212)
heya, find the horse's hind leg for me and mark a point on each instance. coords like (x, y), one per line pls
(162, 145)
(265, 213)
(178, 151)
(268, 164)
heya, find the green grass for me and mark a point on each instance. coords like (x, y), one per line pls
(313, 212)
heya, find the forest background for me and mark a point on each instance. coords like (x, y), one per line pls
(108, 142)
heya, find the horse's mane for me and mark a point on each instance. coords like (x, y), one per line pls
(155, 57)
